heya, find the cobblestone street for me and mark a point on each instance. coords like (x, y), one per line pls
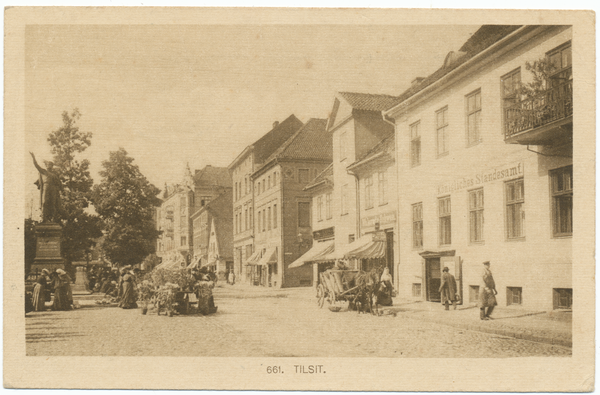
(258, 322)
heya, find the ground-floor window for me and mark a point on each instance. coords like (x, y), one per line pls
(514, 295)
(416, 290)
(562, 201)
(563, 298)
(473, 293)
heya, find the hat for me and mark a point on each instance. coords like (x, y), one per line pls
(60, 271)
(486, 263)
(446, 269)
(45, 271)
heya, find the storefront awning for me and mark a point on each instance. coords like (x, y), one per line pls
(318, 250)
(270, 256)
(254, 258)
(367, 247)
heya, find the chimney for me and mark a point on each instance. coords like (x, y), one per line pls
(275, 124)
(416, 81)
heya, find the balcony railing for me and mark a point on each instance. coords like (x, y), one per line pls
(547, 107)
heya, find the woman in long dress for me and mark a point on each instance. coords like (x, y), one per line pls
(39, 292)
(384, 296)
(60, 291)
(128, 292)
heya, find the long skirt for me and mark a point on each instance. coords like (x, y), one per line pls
(128, 296)
(39, 298)
(61, 301)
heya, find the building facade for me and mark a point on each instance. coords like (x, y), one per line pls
(485, 170)
(241, 169)
(282, 226)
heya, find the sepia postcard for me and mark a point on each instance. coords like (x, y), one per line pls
(299, 199)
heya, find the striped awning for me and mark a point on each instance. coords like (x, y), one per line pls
(254, 258)
(366, 247)
(270, 256)
(317, 252)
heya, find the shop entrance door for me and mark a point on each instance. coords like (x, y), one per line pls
(434, 279)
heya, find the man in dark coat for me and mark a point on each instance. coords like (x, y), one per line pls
(487, 293)
(448, 289)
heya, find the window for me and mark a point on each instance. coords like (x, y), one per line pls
(343, 147)
(415, 144)
(250, 219)
(269, 182)
(445, 226)
(417, 210)
(563, 298)
(561, 61)
(236, 223)
(320, 208)
(328, 205)
(303, 175)
(269, 219)
(369, 192)
(246, 186)
(473, 293)
(514, 295)
(274, 178)
(264, 220)
(510, 92)
(416, 290)
(351, 238)
(441, 120)
(264, 184)
(382, 186)
(259, 222)
(344, 199)
(303, 214)
(235, 191)
(183, 241)
(274, 216)
(246, 219)
(562, 201)
(258, 189)
(473, 118)
(515, 215)
(476, 215)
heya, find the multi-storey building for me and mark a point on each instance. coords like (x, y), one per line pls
(242, 168)
(485, 169)
(213, 235)
(179, 202)
(282, 207)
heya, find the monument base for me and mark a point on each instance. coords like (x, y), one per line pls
(47, 252)
(80, 286)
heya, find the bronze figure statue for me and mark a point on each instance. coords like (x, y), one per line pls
(49, 185)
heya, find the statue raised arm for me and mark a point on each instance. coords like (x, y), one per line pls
(49, 186)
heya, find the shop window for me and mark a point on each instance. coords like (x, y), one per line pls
(563, 298)
(441, 120)
(303, 214)
(303, 176)
(515, 214)
(445, 221)
(416, 290)
(328, 206)
(514, 295)
(562, 201)
(415, 144)
(476, 215)
(473, 293)
(369, 192)
(473, 116)
(417, 210)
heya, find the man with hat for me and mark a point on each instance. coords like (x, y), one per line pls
(448, 289)
(487, 293)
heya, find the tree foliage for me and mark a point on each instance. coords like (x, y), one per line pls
(126, 201)
(80, 227)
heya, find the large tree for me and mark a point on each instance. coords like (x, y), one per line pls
(80, 226)
(126, 201)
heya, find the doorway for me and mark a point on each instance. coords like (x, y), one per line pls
(389, 253)
(433, 276)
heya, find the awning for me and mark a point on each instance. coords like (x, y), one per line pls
(366, 247)
(195, 263)
(318, 250)
(254, 258)
(270, 256)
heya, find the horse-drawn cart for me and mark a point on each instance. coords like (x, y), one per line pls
(337, 285)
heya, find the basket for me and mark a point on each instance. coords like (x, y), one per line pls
(335, 309)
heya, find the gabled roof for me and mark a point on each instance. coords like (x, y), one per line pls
(480, 40)
(270, 142)
(326, 176)
(213, 176)
(309, 142)
(369, 102)
(385, 146)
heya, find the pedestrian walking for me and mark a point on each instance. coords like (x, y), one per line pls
(231, 279)
(487, 293)
(128, 291)
(58, 284)
(39, 291)
(448, 289)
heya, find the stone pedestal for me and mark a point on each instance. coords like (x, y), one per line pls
(47, 251)
(80, 285)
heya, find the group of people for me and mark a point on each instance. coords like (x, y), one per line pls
(487, 292)
(59, 283)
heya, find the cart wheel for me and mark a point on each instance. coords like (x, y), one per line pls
(320, 295)
(330, 298)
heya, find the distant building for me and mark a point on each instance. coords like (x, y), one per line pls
(179, 202)
(485, 172)
(282, 207)
(242, 168)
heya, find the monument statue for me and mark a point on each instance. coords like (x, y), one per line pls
(49, 185)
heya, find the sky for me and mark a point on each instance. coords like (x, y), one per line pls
(199, 94)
